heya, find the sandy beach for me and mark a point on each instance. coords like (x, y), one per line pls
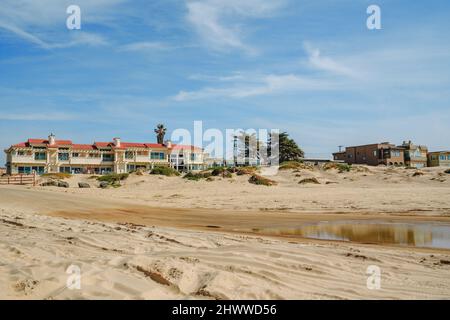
(161, 237)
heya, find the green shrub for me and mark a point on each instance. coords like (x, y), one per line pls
(341, 167)
(164, 171)
(113, 178)
(259, 180)
(218, 171)
(197, 176)
(59, 175)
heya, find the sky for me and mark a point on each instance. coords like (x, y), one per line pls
(308, 67)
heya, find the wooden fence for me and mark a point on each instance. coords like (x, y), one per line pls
(19, 179)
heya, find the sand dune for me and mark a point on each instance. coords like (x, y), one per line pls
(167, 238)
(132, 262)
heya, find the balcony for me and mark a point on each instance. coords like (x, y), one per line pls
(26, 159)
(142, 159)
(86, 161)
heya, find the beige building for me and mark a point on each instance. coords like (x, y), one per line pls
(439, 159)
(51, 156)
(415, 155)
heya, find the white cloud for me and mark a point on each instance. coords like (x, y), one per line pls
(258, 86)
(216, 21)
(42, 23)
(316, 60)
(24, 35)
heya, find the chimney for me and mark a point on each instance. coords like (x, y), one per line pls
(117, 142)
(168, 144)
(51, 139)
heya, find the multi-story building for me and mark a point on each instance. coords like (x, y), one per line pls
(376, 154)
(415, 155)
(439, 159)
(51, 156)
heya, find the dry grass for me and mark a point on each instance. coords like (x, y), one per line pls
(309, 180)
(259, 180)
(293, 165)
(57, 175)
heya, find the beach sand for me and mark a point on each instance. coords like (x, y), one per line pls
(167, 238)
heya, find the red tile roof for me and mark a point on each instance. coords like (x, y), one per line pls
(43, 141)
(123, 145)
(83, 147)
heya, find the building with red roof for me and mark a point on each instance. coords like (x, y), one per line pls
(52, 156)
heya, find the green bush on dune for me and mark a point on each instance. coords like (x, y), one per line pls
(197, 176)
(164, 171)
(341, 167)
(113, 177)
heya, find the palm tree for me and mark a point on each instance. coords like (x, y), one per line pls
(160, 133)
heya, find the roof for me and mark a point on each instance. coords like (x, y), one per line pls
(97, 145)
(83, 147)
(185, 147)
(370, 144)
(434, 152)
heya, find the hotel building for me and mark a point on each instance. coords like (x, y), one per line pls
(52, 156)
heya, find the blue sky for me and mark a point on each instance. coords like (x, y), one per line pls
(309, 67)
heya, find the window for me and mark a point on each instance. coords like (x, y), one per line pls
(64, 170)
(38, 170)
(375, 153)
(129, 155)
(24, 170)
(40, 156)
(448, 157)
(108, 157)
(395, 153)
(20, 153)
(75, 155)
(94, 155)
(193, 156)
(63, 156)
(442, 157)
(157, 156)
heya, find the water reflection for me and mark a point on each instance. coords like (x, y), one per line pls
(429, 235)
